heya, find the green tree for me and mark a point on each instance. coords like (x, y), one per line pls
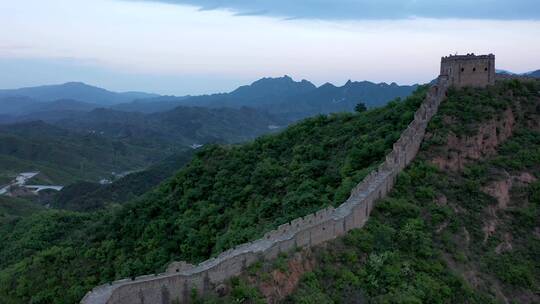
(360, 107)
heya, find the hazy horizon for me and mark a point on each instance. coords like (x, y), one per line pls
(217, 92)
(181, 47)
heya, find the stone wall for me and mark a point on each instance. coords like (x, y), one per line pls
(181, 278)
(469, 70)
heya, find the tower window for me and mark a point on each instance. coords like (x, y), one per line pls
(485, 69)
(474, 69)
(463, 69)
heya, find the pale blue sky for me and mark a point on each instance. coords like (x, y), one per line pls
(374, 9)
(192, 47)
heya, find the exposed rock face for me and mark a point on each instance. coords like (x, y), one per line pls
(460, 151)
(442, 200)
(537, 232)
(282, 284)
(506, 244)
(490, 225)
(500, 190)
(525, 178)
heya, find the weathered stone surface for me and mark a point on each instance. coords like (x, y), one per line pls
(179, 267)
(469, 70)
(221, 290)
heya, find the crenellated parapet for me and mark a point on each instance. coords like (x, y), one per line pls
(326, 224)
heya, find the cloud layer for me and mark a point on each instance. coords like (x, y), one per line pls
(181, 49)
(375, 9)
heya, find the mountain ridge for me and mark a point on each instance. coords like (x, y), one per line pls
(282, 95)
(74, 90)
(300, 99)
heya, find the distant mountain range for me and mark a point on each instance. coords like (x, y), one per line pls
(298, 99)
(77, 91)
(153, 105)
(329, 98)
(535, 74)
(262, 92)
(22, 105)
(284, 96)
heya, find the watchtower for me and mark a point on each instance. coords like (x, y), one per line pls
(469, 70)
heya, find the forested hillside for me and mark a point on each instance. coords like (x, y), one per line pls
(64, 157)
(461, 225)
(87, 196)
(225, 196)
(181, 126)
(12, 209)
(91, 146)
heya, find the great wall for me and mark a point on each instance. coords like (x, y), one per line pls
(177, 283)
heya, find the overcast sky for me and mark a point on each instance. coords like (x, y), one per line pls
(192, 46)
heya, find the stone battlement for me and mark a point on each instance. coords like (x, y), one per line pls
(470, 56)
(313, 229)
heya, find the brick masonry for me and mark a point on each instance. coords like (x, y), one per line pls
(469, 70)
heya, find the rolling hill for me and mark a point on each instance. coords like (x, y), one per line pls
(26, 108)
(75, 90)
(87, 196)
(224, 196)
(64, 157)
(182, 126)
(535, 74)
(92, 145)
